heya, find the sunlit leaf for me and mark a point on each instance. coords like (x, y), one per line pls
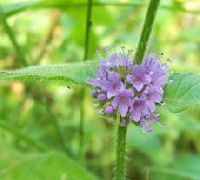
(21, 135)
(68, 74)
(12, 9)
(51, 165)
(184, 166)
(183, 92)
(148, 145)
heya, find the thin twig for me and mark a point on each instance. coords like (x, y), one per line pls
(86, 54)
(22, 136)
(12, 38)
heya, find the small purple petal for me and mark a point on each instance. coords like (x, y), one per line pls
(146, 125)
(102, 97)
(135, 116)
(111, 94)
(123, 110)
(151, 106)
(139, 108)
(129, 78)
(138, 85)
(109, 109)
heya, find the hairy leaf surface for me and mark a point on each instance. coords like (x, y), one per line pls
(183, 92)
(67, 74)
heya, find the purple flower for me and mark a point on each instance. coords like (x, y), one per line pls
(112, 84)
(102, 97)
(100, 76)
(132, 90)
(125, 61)
(156, 71)
(112, 61)
(138, 77)
(118, 59)
(101, 73)
(123, 100)
(146, 123)
(109, 109)
(152, 97)
(138, 109)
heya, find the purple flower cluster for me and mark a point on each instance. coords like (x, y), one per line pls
(130, 89)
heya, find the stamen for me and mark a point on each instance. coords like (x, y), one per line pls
(162, 103)
(161, 125)
(170, 81)
(159, 55)
(129, 53)
(144, 131)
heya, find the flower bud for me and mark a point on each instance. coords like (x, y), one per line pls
(102, 97)
(94, 93)
(109, 109)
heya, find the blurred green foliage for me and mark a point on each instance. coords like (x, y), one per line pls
(36, 119)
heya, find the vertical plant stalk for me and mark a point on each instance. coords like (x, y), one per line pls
(12, 38)
(121, 152)
(141, 48)
(88, 28)
(86, 54)
(146, 30)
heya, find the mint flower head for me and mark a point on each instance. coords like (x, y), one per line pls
(128, 89)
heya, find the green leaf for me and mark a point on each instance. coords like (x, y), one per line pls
(12, 9)
(46, 166)
(189, 121)
(188, 163)
(183, 92)
(68, 74)
(146, 143)
(184, 166)
(4, 125)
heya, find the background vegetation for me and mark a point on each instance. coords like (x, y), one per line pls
(39, 123)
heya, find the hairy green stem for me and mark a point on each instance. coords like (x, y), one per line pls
(121, 152)
(121, 133)
(86, 54)
(146, 30)
(81, 126)
(12, 38)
